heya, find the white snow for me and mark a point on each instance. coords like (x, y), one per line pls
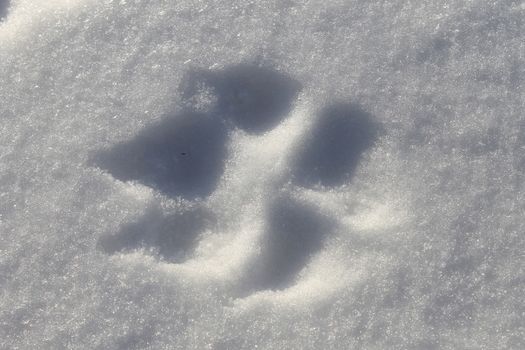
(342, 174)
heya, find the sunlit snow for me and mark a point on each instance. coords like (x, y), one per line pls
(324, 174)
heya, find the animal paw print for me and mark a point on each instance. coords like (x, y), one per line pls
(191, 158)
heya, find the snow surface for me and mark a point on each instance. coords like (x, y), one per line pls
(287, 174)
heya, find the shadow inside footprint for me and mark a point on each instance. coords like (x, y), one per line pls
(295, 232)
(255, 99)
(4, 5)
(332, 151)
(182, 156)
(169, 237)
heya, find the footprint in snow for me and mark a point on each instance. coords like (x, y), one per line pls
(184, 156)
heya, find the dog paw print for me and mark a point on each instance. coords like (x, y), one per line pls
(189, 157)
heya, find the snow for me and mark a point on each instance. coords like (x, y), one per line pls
(340, 174)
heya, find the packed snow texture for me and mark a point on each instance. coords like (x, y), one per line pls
(342, 174)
